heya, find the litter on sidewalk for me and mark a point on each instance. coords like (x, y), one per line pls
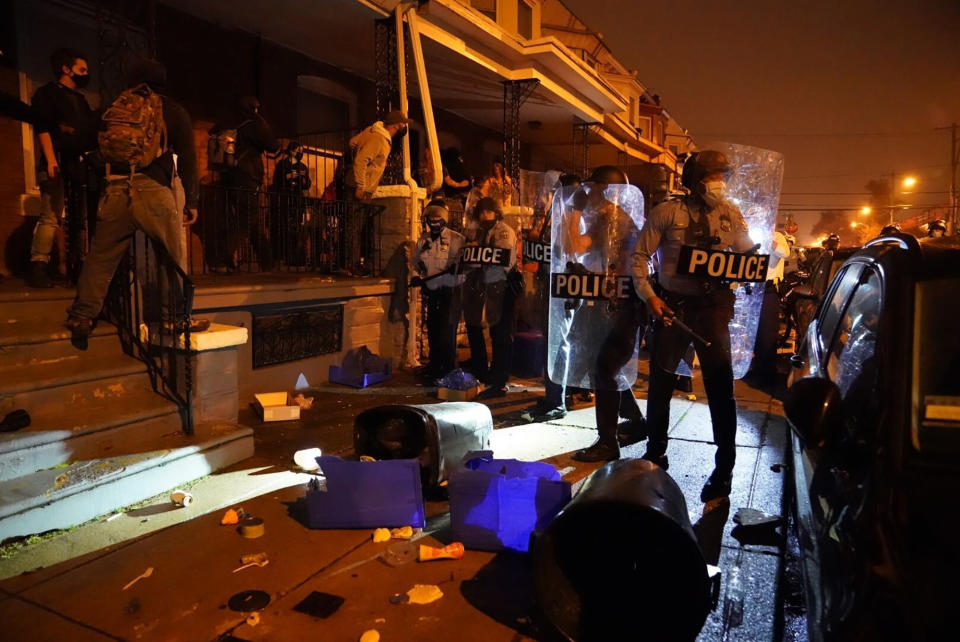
(366, 495)
(361, 368)
(319, 605)
(276, 406)
(248, 601)
(307, 459)
(752, 518)
(255, 559)
(381, 535)
(458, 385)
(423, 594)
(305, 403)
(181, 498)
(452, 551)
(147, 573)
(251, 527)
(231, 517)
(372, 635)
(497, 504)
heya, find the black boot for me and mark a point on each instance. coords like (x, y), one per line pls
(718, 485)
(632, 432)
(80, 329)
(657, 455)
(601, 450)
(39, 276)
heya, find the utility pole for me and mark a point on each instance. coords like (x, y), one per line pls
(954, 158)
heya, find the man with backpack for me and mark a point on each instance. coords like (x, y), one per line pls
(242, 176)
(146, 142)
(66, 129)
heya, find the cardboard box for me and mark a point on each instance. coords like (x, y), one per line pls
(276, 406)
(496, 504)
(449, 394)
(367, 494)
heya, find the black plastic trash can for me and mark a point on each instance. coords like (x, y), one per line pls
(438, 435)
(621, 561)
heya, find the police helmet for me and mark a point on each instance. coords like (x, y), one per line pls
(569, 179)
(609, 175)
(893, 228)
(487, 204)
(832, 242)
(938, 224)
(701, 164)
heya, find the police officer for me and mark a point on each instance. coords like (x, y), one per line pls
(606, 245)
(763, 368)
(937, 228)
(704, 219)
(892, 228)
(435, 259)
(490, 256)
(553, 405)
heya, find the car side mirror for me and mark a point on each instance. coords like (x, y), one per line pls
(814, 409)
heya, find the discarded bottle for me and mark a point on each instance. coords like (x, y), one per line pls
(733, 600)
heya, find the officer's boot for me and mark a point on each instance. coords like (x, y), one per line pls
(606, 448)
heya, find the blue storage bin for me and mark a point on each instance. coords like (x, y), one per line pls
(496, 504)
(367, 494)
(337, 374)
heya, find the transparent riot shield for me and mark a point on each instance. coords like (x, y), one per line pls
(594, 231)
(754, 187)
(536, 195)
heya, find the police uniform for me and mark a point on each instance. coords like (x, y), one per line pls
(703, 304)
(486, 290)
(441, 293)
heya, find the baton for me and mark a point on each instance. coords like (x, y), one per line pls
(689, 331)
(449, 270)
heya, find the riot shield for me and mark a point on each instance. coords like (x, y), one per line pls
(594, 230)
(754, 187)
(536, 194)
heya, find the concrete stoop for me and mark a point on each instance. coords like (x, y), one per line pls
(63, 497)
(100, 437)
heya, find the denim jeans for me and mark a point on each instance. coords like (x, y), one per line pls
(127, 206)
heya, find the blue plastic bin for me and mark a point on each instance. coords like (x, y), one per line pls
(337, 374)
(367, 494)
(496, 504)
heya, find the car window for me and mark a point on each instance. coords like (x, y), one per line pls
(834, 303)
(850, 361)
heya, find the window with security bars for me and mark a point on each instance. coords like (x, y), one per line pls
(287, 335)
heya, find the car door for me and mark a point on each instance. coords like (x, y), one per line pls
(841, 467)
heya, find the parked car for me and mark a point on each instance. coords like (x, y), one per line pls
(874, 411)
(800, 301)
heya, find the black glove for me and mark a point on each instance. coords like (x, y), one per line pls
(416, 282)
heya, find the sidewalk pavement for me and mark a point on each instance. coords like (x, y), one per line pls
(486, 596)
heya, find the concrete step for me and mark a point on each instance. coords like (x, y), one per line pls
(102, 344)
(63, 497)
(143, 418)
(105, 360)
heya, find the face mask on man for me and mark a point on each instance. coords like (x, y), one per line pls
(436, 227)
(81, 80)
(487, 224)
(712, 192)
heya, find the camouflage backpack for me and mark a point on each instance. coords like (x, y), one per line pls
(133, 130)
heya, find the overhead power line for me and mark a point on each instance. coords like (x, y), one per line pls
(819, 134)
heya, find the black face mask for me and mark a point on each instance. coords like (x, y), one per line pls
(81, 81)
(298, 156)
(436, 227)
(487, 225)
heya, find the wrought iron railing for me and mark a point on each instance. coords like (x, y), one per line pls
(270, 231)
(150, 302)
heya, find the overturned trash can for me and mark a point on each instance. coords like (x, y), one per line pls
(438, 435)
(621, 561)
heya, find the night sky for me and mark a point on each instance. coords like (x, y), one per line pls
(847, 90)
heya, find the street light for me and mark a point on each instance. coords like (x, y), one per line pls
(866, 209)
(909, 182)
(853, 225)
